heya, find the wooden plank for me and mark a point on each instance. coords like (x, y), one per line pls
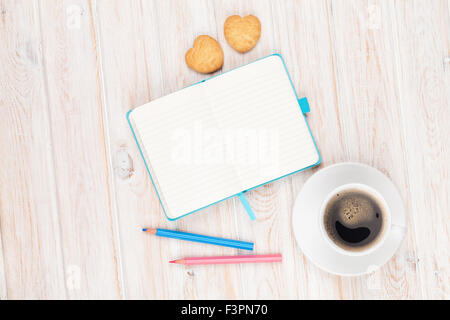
(309, 59)
(125, 84)
(3, 286)
(371, 121)
(273, 203)
(75, 105)
(28, 207)
(421, 37)
(261, 281)
(148, 65)
(194, 18)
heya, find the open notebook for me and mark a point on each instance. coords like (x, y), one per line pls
(223, 136)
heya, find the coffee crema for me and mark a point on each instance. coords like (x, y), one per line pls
(354, 219)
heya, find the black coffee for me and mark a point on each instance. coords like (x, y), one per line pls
(354, 219)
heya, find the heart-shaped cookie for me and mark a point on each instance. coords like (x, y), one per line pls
(242, 33)
(205, 56)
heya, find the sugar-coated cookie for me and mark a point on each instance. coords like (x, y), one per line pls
(205, 56)
(242, 33)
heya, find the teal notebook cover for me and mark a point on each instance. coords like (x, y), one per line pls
(304, 108)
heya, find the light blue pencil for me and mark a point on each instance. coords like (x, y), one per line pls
(200, 238)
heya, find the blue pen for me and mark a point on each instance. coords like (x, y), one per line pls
(200, 238)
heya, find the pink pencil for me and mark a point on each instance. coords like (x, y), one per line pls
(229, 259)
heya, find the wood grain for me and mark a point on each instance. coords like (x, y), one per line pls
(74, 191)
(368, 101)
(423, 84)
(307, 49)
(262, 281)
(195, 18)
(73, 87)
(125, 84)
(3, 286)
(29, 223)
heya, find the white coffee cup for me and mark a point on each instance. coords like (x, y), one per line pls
(386, 212)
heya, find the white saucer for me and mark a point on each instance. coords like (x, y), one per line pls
(305, 221)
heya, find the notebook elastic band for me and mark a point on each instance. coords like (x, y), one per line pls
(246, 206)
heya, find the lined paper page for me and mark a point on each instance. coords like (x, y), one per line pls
(259, 101)
(173, 133)
(217, 138)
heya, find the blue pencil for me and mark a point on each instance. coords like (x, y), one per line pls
(200, 238)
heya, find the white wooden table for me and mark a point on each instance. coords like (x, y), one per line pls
(74, 192)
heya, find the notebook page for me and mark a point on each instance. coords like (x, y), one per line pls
(258, 102)
(178, 136)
